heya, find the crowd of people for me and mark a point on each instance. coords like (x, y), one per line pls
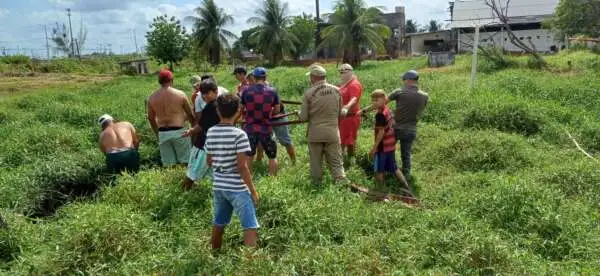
(215, 147)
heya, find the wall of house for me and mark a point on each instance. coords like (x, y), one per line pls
(417, 42)
(543, 40)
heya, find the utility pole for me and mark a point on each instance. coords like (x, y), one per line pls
(47, 45)
(135, 41)
(318, 32)
(474, 61)
(78, 53)
(71, 30)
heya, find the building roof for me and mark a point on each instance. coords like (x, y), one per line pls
(135, 60)
(471, 13)
(428, 33)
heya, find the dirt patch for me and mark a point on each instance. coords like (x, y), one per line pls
(28, 82)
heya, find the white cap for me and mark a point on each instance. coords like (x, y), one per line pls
(346, 67)
(105, 118)
(316, 70)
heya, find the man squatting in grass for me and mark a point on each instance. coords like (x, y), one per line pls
(351, 91)
(233, 190)
(410, 103)
(384, 147)
(321, 107)
(168, 109)
(260, 103)
(207, 118)
(119, 142)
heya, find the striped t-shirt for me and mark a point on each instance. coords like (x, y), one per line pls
(223, 143)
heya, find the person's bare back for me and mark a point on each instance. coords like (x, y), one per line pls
(169, 107)
(118, 136)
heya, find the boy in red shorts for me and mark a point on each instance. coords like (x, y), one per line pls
(384, 148)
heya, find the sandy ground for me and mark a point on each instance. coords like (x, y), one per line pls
(11, 84)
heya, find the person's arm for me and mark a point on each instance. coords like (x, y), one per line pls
(353, 90)
(196, 128)
(303, 116)
(277, 107)
(152, 119)
(209, 160)
(380, 125)
(187, 107)
(242, 147)
(100, 143)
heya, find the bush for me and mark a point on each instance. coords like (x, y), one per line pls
(15, 60)
(129, 71)
(536, 63)
(9, 247)
(494, 59)
(511, 118)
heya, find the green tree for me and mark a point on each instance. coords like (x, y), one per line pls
(577, 17)
(411, 26)
(272, 37)
(167, 40)
(355, 27)
(434, 26)
(209, 30)
(62, 39)
(303, 27)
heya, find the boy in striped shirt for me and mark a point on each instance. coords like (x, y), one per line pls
(384, 148)
(233, 190)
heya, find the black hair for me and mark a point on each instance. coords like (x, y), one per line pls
(207, 77)
(228, 105)
(208, 86)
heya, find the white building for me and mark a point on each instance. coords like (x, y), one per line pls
(525, 19)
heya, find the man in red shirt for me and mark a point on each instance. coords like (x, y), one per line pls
(351, 90)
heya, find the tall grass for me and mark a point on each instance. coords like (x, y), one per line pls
(505, 191)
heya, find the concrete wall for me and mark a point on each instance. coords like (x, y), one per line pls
(542, 39)
(417, 45)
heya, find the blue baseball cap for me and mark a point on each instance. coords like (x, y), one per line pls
(259, 72)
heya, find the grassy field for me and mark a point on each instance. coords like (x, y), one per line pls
(505, 189)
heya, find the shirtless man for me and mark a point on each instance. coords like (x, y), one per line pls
(120, 143)
(168, 109)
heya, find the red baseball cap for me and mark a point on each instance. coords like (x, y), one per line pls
(165, 75)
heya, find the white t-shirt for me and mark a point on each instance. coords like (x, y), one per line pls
(200, 104)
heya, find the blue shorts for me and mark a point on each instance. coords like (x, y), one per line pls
(226, 202)
(282, 133)
(385, 162)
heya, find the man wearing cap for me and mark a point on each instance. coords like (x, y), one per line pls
(120, 143)
(261, 102)
(168, 109)
(240, 74)
(410, 102)
(321, 107)
(351, 90)
(195, 82)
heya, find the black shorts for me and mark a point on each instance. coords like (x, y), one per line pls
(267, 142)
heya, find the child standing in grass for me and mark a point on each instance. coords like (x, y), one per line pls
(233, 190)
(384, 147)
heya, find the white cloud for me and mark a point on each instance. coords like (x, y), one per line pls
(4, 12)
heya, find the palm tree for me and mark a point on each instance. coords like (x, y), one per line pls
(434, 26)
(209, 32)
(355, 27)
(273, 37)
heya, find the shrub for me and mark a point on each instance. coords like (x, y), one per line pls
(511, 118)
(536, 63)
(15, 60)
(9, 247)
(129, 71)
(494, 59)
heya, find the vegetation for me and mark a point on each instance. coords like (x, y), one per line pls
(504, 188)
(273, 38)
(434, 26)
(577, 18)
(303, 28)
(209, 30)
(167, 40)
(62, 40)
(411, 26)
(355, 27)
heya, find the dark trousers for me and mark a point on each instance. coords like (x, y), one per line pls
(406, 138)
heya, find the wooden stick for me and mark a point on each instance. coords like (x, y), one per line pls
(278, 116)
(579, 147)
(291, 102)
(295, 122)
(383, 196)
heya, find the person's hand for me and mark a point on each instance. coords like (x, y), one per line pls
(344, 111)
(359, 113)
(255, 199)
(372, 153)
(188, 132)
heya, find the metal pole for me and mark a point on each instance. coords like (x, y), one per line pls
(47, 45)
(474, 66)
(71, 30)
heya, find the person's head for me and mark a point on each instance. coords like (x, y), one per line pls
(346, 72)
(228, 106)
(410, 78)
(208, 77)
(378, 98)
(240, 73)
(250, 78)
(195, 79)
(165, 78)
(260, 74)
(105, 121)
(209, 90)
(316, 72)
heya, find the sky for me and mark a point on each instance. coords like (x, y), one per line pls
(114, 22)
